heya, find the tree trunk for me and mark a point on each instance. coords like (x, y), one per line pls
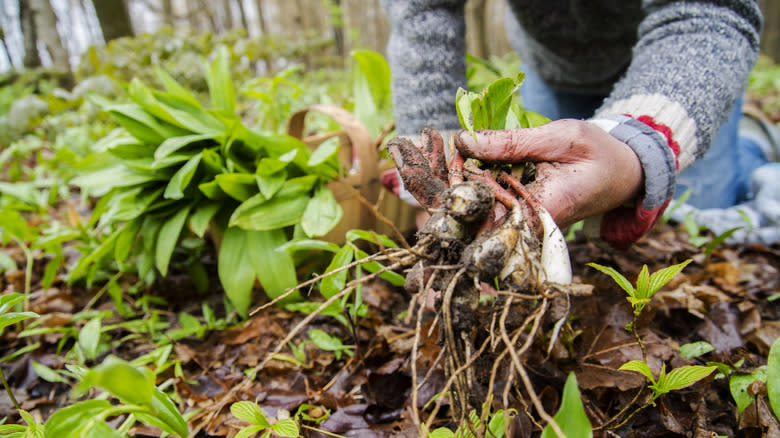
(261, 18)
(476, 41)
(227, 16)
(32, 58)
(167, 12)
(46, 26)
(114, 18)
(337, 22)
(242, 13)
(770, 37)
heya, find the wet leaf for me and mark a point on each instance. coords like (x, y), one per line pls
(773, 377)
(571, 415)
(695, 349)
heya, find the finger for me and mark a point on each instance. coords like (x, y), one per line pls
(416, 173)
(550, 142)
(455, 166)
(433, 150)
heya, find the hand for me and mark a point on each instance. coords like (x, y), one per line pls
(581, 170)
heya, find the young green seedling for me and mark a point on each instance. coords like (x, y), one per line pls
(252, 414)
(646, 285)
(678, 378)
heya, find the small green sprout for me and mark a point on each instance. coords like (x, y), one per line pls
(646, 285)
(678, 378)
(252, 414)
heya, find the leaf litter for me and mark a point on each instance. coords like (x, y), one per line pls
(723, 301)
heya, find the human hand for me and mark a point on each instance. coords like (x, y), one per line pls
(581, 170)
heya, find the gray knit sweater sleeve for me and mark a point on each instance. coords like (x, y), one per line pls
(426, 52)
(675, 66)
(687, 70)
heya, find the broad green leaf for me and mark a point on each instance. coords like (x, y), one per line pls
(377, 72)
(275, 270)
(174, 88)
(121, 380)
(498, 421)
(441, 432)
(309, 245)
(334, 283)
(8, 301)
(240, 186)
(181, 179)
(14, 317)
(105, 248)
(497, 100)
(47, 373)
(287, 428)
(168, 237)
(199, 221)
(249, 431)
(322, 213)
(682, 377)
(6, 262)
(129, 204)
(133, 151)
(219, 82)
(738, 385)
(720, 238)
(660, 278)
(20, 352)
(249, 412)
(212, 190)
(327, 342)
(324, 152)
(695, 349)
(617, 276)
(373, 266)
(74, 421)
(142, 125)
(235, 269)
(185, 116)
(115, 176)
(164, 415)
(270, 166)
(463, 105)
(126, 238)
(269, 185)
(371, 236)
(171, 145)
(571, 416)
(297, 186)
(640, 367)
(278, 212)
(773, 377)
(89, 338)
(642, 284)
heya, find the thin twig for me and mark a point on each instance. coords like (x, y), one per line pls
(524, 375)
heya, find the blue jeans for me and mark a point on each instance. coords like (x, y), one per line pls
(719, 179)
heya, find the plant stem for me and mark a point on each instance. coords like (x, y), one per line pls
(638, 339)
(8, 391)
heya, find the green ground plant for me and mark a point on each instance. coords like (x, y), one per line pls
(176, 169)
(258, 422)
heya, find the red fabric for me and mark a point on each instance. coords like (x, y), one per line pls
(623, 226)
(390, 181)
(665, 131)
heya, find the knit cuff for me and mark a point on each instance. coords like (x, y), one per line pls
(623, 226)
(657, 159)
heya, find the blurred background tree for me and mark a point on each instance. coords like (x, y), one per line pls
(55, 33)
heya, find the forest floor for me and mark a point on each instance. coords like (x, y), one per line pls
(723, 300)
